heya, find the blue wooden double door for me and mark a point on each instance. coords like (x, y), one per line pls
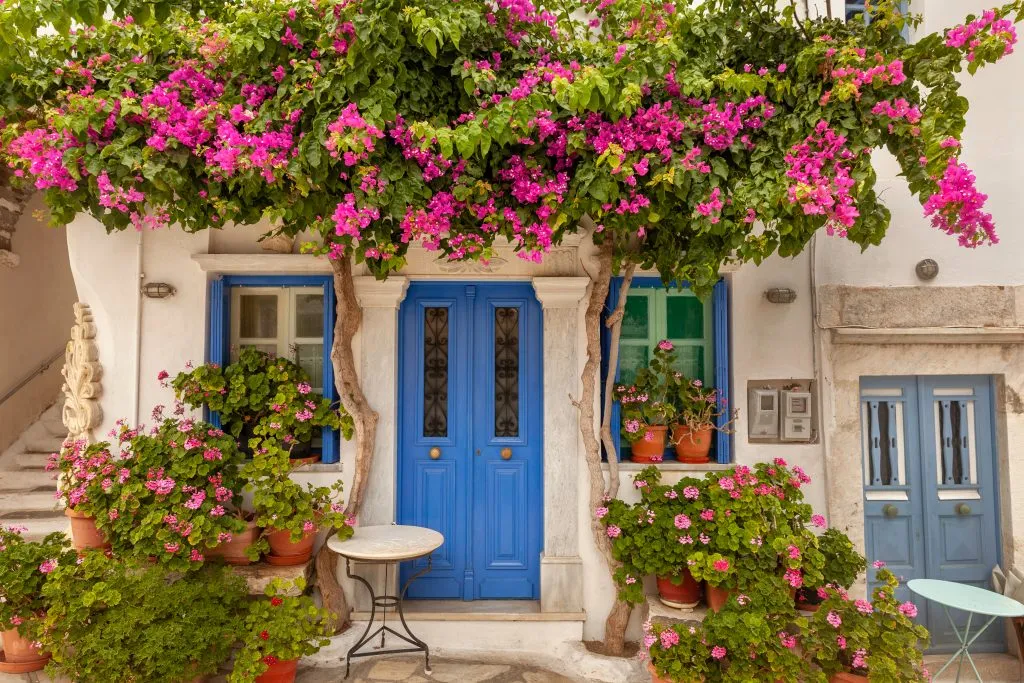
(470, 444)
(930, 488)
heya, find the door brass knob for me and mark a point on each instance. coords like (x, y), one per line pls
(506, 453)
(435, 453)
(890, 510)
(963, 509)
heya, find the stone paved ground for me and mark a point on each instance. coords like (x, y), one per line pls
(410, 670)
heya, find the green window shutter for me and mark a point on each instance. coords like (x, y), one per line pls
(639, 333)
(685, 320)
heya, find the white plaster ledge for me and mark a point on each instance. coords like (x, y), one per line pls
(928, 335)
(262, 264)
(374, 293)
(671, 467)
(560, 292)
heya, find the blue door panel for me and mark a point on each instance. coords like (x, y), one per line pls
(930, 497)
(484, 492)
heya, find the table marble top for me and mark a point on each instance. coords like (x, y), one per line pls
(387, 543)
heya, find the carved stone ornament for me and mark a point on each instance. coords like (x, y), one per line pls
(82, 373)
(493, 264)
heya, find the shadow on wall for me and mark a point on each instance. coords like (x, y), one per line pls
(36, 298)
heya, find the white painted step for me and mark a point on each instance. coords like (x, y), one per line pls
(27, 480)
(38, 527)
(39, 504)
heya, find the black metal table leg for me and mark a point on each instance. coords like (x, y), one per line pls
(384, 602)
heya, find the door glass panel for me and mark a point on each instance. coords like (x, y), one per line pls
(636, 319)
(435, 372)
(506, 371)
(953, 433)
(685, 317)
(309, 315)
(310, 357)
(258, 316)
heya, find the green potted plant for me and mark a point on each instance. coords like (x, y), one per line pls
(262, 395)
(856, 640)
(25, 568)
(289, 513)
(122, 621)
(276, 632)
(842, 565)
(82, 472)
(697, 411)
(646, 409)
(655, 536)
(176, 495)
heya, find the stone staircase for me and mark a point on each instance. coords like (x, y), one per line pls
(26, 488)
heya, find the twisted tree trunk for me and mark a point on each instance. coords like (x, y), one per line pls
(346, 378)
(618, 618)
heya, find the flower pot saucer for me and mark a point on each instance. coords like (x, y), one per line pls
(684, 606)
(21, 667)
(287, 560)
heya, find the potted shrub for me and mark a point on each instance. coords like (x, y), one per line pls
(857, 640)
(289, 513)
(176, 494)
(277, 631)
(262, 395)
(679, 653)
(697, 411)
(82, 471)
(121, 621)
(656, 536)
(646, 409)
(842, 565)
(25, 567)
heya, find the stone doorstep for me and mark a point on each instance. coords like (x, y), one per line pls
(660, 613)
(480, 610)
(258, 576)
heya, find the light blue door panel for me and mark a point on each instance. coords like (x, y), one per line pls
(930, 496)
(485, 489)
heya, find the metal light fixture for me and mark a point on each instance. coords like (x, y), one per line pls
(927, 269)
(157, 290)
(780, 295)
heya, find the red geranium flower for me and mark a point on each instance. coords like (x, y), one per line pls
(270, 660)
(264, 635)
(276, 601)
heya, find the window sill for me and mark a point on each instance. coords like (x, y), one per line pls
(671, 466)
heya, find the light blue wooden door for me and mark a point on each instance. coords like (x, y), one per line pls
(470, 439)
(930, 493)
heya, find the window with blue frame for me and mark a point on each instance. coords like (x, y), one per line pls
(856, 8)
(699, 330)
(287, 316)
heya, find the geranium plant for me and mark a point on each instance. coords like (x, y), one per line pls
(121, 621)
(656, 535)
(261, 395)
(877, 639)
(279, 628)
(282, 504)
(25, 567)
(646, 402)
(84, 475)
(176, 492)
(841, 565)
(698, 406)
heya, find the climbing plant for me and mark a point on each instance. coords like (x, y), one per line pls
(680, 136)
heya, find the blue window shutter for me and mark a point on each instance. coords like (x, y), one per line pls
(720, 314)
(220, 329)
(606, 344)
(330, 444)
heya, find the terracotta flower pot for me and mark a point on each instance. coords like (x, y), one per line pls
(691, 445)
(233, 551)
(655, 678)
(847, 677)
(684, 596)
(283, 552)
(19, 653)
(651, 447)
(313, 457)
(279, 672)
(807, 600)
(84, 533)
(717, 596)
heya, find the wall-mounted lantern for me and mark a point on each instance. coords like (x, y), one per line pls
(157, 290)
(927, 269)
(780, 295)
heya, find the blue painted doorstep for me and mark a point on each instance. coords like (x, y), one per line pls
(470, 439)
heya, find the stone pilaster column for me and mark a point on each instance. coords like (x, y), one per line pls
(561, 569)
(378, 374)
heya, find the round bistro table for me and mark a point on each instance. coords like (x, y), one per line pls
(972, 600)
(387, 544)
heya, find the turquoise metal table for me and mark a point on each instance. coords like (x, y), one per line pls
(972, 600)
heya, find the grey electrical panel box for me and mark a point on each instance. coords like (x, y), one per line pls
(763, 409)
(782, 411)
